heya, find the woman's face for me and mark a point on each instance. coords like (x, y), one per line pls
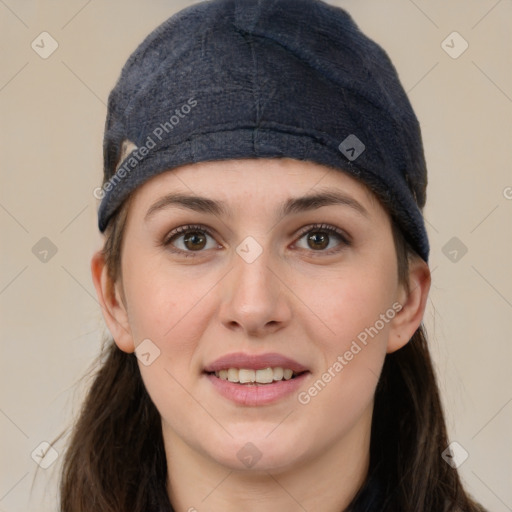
(250, 265)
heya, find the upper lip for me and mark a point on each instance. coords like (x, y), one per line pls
(254, 362)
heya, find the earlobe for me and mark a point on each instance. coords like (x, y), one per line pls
(113, 308)
(413, 302)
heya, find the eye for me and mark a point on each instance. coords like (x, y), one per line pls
(323, 238)
(190, 239)
(320, 238)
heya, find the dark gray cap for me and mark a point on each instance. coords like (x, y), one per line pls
(229, 79)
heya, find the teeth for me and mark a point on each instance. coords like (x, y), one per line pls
(247, 376)
(278, 373)
(233, 375)
(265, 376)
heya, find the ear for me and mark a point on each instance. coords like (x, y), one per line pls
(413, 302)
(112, 303)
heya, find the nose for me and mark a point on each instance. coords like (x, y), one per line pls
(254, 299)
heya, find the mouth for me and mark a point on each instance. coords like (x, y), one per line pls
(251, 377)
(256, 380)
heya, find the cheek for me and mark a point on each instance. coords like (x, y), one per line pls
(352, 358)
(162, 301)
(357, 300)
(356, 308)
(172, 309)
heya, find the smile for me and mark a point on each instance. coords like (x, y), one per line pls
(256, 379)
(250, 376)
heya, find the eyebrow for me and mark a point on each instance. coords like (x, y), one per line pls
(324, 197)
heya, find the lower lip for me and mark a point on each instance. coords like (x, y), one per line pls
(256, 394)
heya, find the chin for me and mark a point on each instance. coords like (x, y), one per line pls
(258, 453)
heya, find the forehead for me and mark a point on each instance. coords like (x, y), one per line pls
(234, 180)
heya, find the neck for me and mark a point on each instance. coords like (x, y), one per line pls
(327, 481)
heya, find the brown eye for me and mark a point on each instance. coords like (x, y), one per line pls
(195, 241)
(323, 239)
(318, 240)
(190, 239)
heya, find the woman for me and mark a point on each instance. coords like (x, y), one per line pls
(264, 277)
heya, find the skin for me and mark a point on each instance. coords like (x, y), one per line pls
(307, 300)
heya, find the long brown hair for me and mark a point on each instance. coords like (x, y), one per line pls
(115, 461)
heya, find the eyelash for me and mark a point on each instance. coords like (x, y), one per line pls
(181, 231)
(325, 228)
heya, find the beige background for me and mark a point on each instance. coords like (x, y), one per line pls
(52, 113)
